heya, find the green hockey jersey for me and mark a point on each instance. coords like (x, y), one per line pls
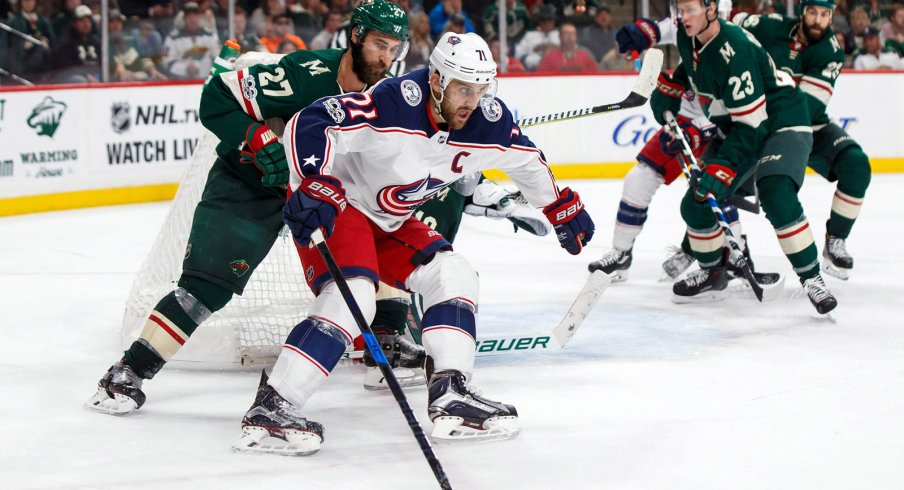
(740, 89)
(234, 100)
(814, 67)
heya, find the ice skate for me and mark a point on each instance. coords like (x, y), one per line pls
(459, 412)
(274, 426)
(405, 357)
(837, 262)
(615, 263)
(701, 286)
(118, 392)
(678, 262)
(819, 294)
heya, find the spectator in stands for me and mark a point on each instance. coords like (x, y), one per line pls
(282, 31)
(893, 32)
(76, 55)
(63, 20)
(208, 20)
(126, 64)
(148, 41)
(261, 15)
(859, 24)
(599, 37)
(581, 13)
(331, 24)
(442, 13)
(247, 40)
(568, 56)
(517, 21)
(877, 10)
(456, 24)
(344, 7)
(308, 18)
(26, 57)
(512, 66)
(873, 56)
(535, 43)
(286, 47)
(189, 53)
(847, 46)
(159, 12)
(420, 42)
(840, 17)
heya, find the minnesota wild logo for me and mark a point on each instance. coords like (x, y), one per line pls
(45, 117)
(239, 267)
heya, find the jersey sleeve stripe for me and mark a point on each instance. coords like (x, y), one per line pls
(817, 89)
(234, 80)
(751, 116)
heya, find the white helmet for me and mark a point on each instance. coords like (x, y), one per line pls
(464, 57)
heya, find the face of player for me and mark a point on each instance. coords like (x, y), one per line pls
(694, 16)
(815, 22)
(372, 57)
(460, 99)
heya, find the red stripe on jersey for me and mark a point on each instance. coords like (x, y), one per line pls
(748, 111)
(794, 232)
(826, 87)
(160, 323)
(302, 354)
(249, 109)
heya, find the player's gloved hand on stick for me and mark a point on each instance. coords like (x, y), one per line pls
(314, 204)
(573, 225)
(716, 179)
(694, 136)
(265, 152)
(638, 36)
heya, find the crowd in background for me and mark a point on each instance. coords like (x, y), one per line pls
(179, 39)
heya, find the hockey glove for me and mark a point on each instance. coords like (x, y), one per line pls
(638, 36)
(694, 136)
(716, 179)
(265, 152)
(315, 204)
(573, 225)
(493, 201)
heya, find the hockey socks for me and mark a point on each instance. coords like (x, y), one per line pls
(311, 351)
(449, 332)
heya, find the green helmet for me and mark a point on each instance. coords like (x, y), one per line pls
(381, 16)
(829, 4)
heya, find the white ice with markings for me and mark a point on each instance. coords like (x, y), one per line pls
(647, 395)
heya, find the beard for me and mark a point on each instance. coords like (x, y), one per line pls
(451, 116)
(369, 73)
(813, 34)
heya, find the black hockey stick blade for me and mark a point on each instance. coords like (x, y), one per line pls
(374, 347)
(643, 87)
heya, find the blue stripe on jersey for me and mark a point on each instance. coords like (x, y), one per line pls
(450, 314)
(631, 215)
(325, 347)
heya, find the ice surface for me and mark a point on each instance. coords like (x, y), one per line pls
(648, 394)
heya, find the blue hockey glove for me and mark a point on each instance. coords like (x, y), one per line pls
(265, 152)
(716, 179)
(694, 136)
(638, 36)
(573, 225)
(315, 204)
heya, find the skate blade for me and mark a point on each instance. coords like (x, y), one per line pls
(118, 405)
(452, 429)
(836, 272)
(258, 440)
(702, 298)
(374, 381)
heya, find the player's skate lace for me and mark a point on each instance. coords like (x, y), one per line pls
(696, 278)
(450, 395)
(677, 262)
(121, 379)
(819, 294)
(836, 251)
(276, 414)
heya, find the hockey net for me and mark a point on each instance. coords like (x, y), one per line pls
(250, 329)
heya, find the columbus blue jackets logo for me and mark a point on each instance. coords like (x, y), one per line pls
(401, 200)
(453, 40)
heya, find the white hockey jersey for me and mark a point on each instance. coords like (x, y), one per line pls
(391, 156)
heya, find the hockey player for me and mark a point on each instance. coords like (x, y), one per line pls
(360, 165)
(808, 50)
(767, 140)
(239, 216)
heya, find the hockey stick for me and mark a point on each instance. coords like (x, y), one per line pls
(693, 170)
(374, 347)
(643, 87)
